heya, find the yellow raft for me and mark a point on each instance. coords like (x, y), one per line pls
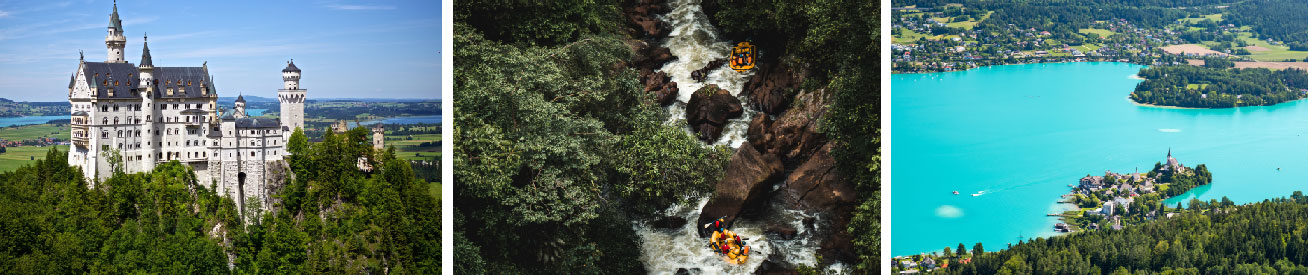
(736, 254)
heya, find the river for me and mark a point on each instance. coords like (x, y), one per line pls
(1022, 133)
(663, 251)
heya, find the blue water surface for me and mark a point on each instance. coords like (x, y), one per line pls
(1022, 133)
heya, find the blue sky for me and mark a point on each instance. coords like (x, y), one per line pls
(346, 48)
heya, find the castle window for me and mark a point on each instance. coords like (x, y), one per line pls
(251, 154)
(105, 121)
(115, 106)
(188, 83)
(104, 134)
(115, 84)
(104, 108)
(115, 120)
(120, 134)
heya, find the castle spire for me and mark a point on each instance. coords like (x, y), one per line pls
(145, 52)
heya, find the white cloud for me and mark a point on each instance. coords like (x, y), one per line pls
(358, 7)
(4, 14)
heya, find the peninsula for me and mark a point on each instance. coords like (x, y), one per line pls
(1114, 200)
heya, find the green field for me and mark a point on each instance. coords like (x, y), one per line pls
(15, 157)
(411, 149)
(1273, 52)
(1100, 32)
(34, 131)
(1216, 17)
(1086, 48)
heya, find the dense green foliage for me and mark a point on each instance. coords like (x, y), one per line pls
(839, 41)
(546, 23)
(1208, 238)
(1191, 86)
(1282, 20)
(334, 219)
(1181, 182)
(558, 149)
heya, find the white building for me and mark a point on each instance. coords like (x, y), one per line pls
(150, 115)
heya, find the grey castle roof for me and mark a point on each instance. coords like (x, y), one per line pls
(290, 67)
(251, 122)
(186, 80)
(113, 19)
(145, 55)
(240, 98)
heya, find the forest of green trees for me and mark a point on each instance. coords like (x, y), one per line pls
(1213, 237)
(1202, 87)
(332, 218)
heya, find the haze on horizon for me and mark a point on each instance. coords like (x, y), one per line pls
(347, 48)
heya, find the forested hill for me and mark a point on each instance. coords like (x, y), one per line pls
(1214, 237)
(1204, 87)
(333, 219)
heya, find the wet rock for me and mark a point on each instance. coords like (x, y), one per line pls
(748, 179)
(770, 89)
(709, 110)
(821, 188)
(781, 231)
(759, 130)
(702, 73)
(795, 135)
(661, 85)
(642, 19)
(648, 58)
(683, 271)
(770, 267)
(838, 247)
(669, 222)
(819, 185)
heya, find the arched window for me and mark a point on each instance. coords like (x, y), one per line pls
(105, 121)
(115, 120)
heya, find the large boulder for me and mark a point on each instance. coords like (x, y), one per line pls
(748, 180)
(770, 90)
(795, 135)
(709, 110)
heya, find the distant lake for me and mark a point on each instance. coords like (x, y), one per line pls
(432, 119)
(28, 120)
(1022, 133)
(255, 112)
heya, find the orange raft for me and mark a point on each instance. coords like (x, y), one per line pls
(742, 57)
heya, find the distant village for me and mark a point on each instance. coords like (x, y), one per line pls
(925, 43)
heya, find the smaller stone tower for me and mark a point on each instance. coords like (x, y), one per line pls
(292, 99)
(240, 107)
(378, 136)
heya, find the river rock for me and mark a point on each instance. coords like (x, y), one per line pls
(746, 184)
(669, 222)
(709, 110)
(692, 271)
(781, 231)
(771, 88)
(643, 21)
(701, 74)
(661, 85)
(771, 267)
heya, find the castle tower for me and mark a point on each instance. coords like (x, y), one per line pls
(240, 107)
(145, 86)
(378, 137)
(115, 41)
(292, 99)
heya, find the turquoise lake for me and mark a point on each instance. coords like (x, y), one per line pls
(1022, 133)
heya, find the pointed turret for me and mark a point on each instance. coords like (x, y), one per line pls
(114, 22)
(145, 52)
